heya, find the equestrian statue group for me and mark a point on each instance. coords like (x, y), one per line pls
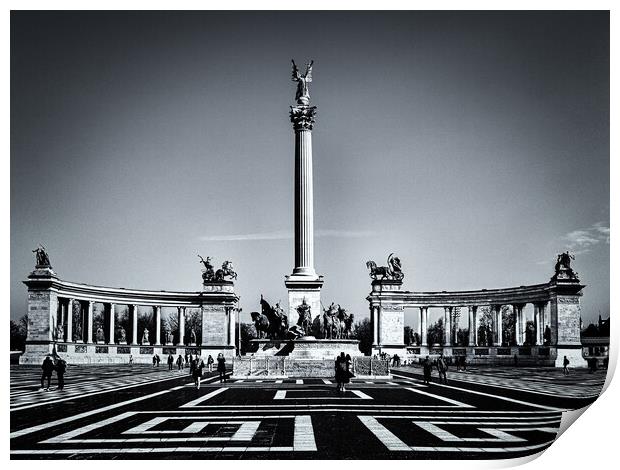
(393, 270)
(272, 323)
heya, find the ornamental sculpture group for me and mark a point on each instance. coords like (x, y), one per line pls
(210, 275)
(272, 323)
(393, 270)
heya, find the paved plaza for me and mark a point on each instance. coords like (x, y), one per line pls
(149, 412)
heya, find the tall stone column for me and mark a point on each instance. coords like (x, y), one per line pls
(424, 321)
(231, 326)
(157, 325)
(303, 283)
(447, 322)
(519, 324)
(420, 327)
(89, 323)
(181, 325)
(134, 324)
(111, 320)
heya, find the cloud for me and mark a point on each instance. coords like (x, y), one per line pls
(583, 240)
(286, 235)
(280, 235)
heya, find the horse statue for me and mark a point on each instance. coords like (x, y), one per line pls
(392, 271)
(261, 323)
(346, 323)
(226, 271)
(562, 267)
(331, 323)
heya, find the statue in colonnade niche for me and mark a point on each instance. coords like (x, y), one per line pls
(100, 335)
(77, 334)
(122, 335)
(145, 336)
(192, 336)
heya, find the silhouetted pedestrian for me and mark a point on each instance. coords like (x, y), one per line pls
(157, 358)
(210, 362)
(427, 368)
(170, 361)
(221, 367)
(197, 374)
(61, 367)
(566, 363)
(48, 368)
(442, 368)
(180, 362)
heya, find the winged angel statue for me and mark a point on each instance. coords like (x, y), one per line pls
(303, 95)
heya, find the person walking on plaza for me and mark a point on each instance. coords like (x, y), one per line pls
(170, 361)
(427, 369)
(154, 359)
(131, 359)
(197, 374)
(338, 368)
(221, 367)
(180, 362)
(61, 367)
(192, 364)
(210, 362)
(442, 368)
(157, 359)
(48, 368)
(566, 363)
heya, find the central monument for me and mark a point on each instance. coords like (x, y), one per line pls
(303, 284)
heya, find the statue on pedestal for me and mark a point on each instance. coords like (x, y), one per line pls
(563, 269)
(100, 335)
(208, 274)
(226, 271)
(302, 96)
(43, 260)
(346, 323)
(77, 334)
(145, 336)
(59, 334)
(331, 323)
(192, 336)
(392, 271)
(272, 322)
(122, 335)
(304, 323)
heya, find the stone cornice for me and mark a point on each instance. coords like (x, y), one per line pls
(121, 295)
(506, 296)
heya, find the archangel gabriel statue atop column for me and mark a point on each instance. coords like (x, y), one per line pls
(303, 94)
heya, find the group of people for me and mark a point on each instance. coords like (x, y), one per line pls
(343, 371)
(49, 366)
(196, 366)
(442, 369)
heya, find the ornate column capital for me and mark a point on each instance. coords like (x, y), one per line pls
(303, 117)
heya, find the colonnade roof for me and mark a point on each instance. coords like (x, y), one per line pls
(213, 294)
(536, 293)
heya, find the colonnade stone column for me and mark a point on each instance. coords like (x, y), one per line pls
(89, 323)
(69, 336)
(447, 315)
(157, 324)
(111, 321)
(473, 326)
(374, 317)
(181, 313)
(424, 325)
(497, 316)
(134, 324)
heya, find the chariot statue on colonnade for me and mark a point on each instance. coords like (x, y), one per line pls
(210, 275)
(392, 271)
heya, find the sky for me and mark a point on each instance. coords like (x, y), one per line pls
(474, 145)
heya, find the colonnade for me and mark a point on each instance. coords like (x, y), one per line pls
(83, 330)
(518, 336)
